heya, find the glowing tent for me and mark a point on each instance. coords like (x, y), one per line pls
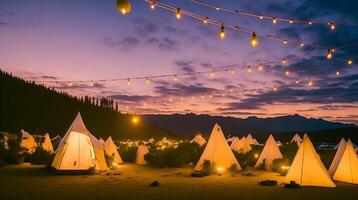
(47, 144)
(236, 144)
(199, 139)
(110, 149)
(79, 149)
(151, 140)
(28, 141)
(337, 157)
(101, 140)
(296, 139)
(307, 168)
(141, 152)
(217, 151)
(347, 170)
(269, 153)
(256, 142)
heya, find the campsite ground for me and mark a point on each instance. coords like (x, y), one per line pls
(34, 182)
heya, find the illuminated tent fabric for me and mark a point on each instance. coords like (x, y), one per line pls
(307, 168)
(101, 140)
(279, 143)
(269, 153)
(141, 152)
(230, 139)
(296, 139)
(47, 144)
(236, 144)
(256, 142)
(347, 170)
(199, 139)
(217, 151)
(246, 145)
(28, 141)
(250, 139)
(151, 140)
(337, 157)
(110, 149)
(79, 149)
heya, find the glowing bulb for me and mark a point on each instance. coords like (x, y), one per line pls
(255, 91)
(222, 32)
(302, 44)
(232, 71)
(135, 120)
(70, 84)
(291, 22)
(152, 5)
(123, 6)
(147, 80)
(275, 88)
(212, 74)
(297, 81)
(210, 96)
(274, 20)
(181, 98)
(206, 20)
(285, 42)
(249, 69)
(284, 61)
(128, 81)
(338, 73)
(178, 15)
(256, 155)
(310, 83)
(217, 8)
(287, 73)
(254, 41)
(261, 17)
(175, 77)
(332, 26)
(310, 23)
(113, 82)
(92, 84)
(261, 67)
(329, 54)
(350, 62)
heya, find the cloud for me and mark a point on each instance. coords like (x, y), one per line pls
(185, 66)
(163, 43)
(126, 43)
(179, 89)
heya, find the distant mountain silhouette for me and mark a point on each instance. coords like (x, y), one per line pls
(190, 124)
(37, 109)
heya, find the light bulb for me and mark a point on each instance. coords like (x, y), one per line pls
(147, 80)
(206, 20)
(274, 20)
(175, 77)
(329, 54)
(285, 42)
(284, 61)
(222, 32)
(310, 23)
(123, 6)
(287, 72)
(338, 73)
(91, 83)
(254, 41)
(291, 21)
(232, 71)
(128, 81)
(302, 44)
(274, 88)
(178, 15)
(212, 74)
(152, 5)
(310, 83)
(261, 17)
(332, 26)
(249, 69)
(261, 67)
(350, 62)
(297, 81)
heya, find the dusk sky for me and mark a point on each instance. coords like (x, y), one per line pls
(91, 40)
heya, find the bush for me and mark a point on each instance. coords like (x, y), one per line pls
(40, 157)
(208, 167)
(249, 159)
(327, 156)
(279, 165)
(128, 154)
(184, 154)
(233, 169)
(15, 154)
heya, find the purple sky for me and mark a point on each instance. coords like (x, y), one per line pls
(85, 40)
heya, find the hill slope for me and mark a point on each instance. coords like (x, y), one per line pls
(189, 124)
(38, 109)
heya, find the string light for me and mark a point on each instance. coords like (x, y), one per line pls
(222, 32)
(297, 81)
(249, 69)
(310, 83)
(285, 42)
(91, 83)
(261, 17)
(261, 67)
(274, 88)
(232, 71)
(332, 26)
(287, 72)
(338, 73)
(147, 80)
(274, 20)
(350, 62)
(284, 61)
(329, 54)
(175, 77)
(178, 15)
(254, 41)
(152, 5)
(128, 81)
(302, 45)
(212, 74)
(123, 6)
(206, 20)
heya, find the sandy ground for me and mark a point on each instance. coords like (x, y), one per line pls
(34, 182)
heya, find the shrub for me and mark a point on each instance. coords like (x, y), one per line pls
(233, 169)
(208, 167)
(128, 154)
(249, 159)
(15, 154)
(40, 157)
(279, 165)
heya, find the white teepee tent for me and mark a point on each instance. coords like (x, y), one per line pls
(47, 144)
(110, 149)
(337, 157)
(28, 141)
(217, 151)
(307, 168)
(269, 153)
(141, 152)
(79, 149)
(347, 170)
(256, 142)
(246, 144)
(296, 139)
(101, 140)
(151, 140)
(236, 144)
(199, 139)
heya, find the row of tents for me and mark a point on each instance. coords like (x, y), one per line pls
(79, 149)
(306, 169)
